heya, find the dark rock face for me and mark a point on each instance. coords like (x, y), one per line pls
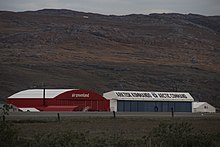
(68, 49)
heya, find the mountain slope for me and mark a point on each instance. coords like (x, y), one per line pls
(67, 49)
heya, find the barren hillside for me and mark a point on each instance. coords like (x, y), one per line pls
(68, 49)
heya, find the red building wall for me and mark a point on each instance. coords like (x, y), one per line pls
(74, 100)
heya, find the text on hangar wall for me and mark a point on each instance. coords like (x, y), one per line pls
(151, 95)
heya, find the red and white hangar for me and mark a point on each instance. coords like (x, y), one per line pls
(84, 100)
(58, 100)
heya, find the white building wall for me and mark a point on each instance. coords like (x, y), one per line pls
(203, 107)
(149, 96)
(113, 105)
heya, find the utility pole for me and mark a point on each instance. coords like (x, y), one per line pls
(44, 94)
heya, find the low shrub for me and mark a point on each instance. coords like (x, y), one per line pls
(8, 136)
(165, 135)
(180, 135)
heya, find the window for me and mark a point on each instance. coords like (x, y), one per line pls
(205, 107)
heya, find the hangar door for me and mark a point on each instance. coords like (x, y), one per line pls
(147, 106)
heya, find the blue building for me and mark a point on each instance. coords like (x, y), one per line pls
(138, 101)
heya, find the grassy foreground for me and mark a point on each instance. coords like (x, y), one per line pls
(125, 131)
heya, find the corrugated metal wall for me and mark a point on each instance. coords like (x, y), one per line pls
(145, 106)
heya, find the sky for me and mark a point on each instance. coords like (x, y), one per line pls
(118, 7)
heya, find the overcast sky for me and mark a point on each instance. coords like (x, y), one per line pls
(118, 7)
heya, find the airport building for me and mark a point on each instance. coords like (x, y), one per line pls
(137, 101)
(58, 100)
(203, 107)
(36, 100)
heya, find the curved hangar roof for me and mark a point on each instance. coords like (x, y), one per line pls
(148, 96)
(57, 94)
(38, 93)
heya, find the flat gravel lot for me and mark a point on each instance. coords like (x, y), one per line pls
(42, 115)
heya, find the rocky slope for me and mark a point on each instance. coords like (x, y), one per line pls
(67, 49)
